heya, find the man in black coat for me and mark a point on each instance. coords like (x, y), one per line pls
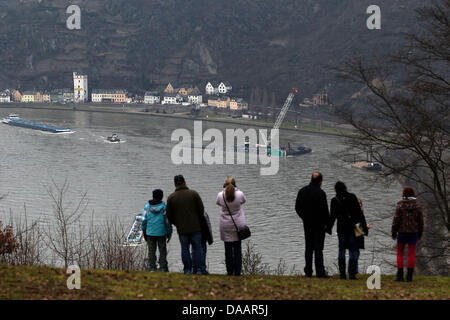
(312, 207)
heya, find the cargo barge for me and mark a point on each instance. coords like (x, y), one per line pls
(15, 120)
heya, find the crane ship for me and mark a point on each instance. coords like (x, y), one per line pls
(285, 151)
(15, 120)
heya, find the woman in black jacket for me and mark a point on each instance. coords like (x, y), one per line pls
(347, 210)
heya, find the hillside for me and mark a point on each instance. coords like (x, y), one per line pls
(138, 44)
(50, 283)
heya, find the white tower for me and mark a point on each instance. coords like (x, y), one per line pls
(80, 87)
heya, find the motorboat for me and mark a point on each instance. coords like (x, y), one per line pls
(113, 138)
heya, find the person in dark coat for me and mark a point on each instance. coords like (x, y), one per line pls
(207, 238)
(407, 229)
(312, 207)
(185, 211)
(346, 209)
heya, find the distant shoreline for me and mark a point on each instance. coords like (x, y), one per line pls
(113, 110)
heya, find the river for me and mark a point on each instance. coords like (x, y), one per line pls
(119, 178)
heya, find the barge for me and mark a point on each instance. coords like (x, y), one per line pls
(15, 120)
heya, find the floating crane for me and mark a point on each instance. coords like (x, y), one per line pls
(284, 151)
(285, 109)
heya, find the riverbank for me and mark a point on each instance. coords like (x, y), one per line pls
(32, 282)
(303, 127)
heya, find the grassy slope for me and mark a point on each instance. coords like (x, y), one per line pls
(18, 282)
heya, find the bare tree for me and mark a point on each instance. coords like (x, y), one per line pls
(64, 238)
(405, 124)
(252, 261)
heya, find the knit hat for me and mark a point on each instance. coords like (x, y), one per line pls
(158, 194)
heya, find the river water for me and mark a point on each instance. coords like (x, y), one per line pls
(119, 178)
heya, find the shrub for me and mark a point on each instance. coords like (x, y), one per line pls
(8, 242)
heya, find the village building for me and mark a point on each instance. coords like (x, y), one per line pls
(193, 90)
(68, 95)
(169, 88)
(238, 104)
(171, 98)
(194, 97)
(129, 98)
(80, 87)
(57, 96)
(321, 99)
(183, 91)
(28, 96)
(213, 102)
(211, 88)
(224, 102)
(46, 97)
(109, 96)
(224, 88)
(5, 96)
(17, 96)
(139, 99)
(120, 96)
(152, 97)
(37, 97)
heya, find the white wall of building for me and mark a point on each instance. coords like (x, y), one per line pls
(170, 100)
(209, 89)
(80, 87)
(195, 99)
(152, 99)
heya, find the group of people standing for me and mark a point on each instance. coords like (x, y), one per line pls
(186, 211)
(312, 207)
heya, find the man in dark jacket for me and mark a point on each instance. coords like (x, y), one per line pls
(185, 210)
(312, 207)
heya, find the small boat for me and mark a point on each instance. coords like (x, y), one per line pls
(289, 151)
(113, 138)
(297, 152)
(366, 165)
(12, 116)
(373, 166)
(15, 120)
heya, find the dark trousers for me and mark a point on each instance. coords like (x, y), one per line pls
(194, 240)
(233, 258)
(153, 243)
(349, 241)
(314, 242)
(205, 249)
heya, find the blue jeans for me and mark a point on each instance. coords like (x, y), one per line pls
(348, 240)
(198, 256)
(205, 249)
(233, 258)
